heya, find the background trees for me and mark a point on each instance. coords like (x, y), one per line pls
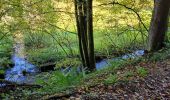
(54, 33)
(50, 35)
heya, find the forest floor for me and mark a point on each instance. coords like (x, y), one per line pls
(154, 86)
(146, 79)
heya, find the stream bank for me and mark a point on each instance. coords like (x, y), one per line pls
(93, 83)
(154, 85)
(24, 72)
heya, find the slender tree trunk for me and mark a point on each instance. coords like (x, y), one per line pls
(159, 24)
(79, 35)
(84, 20)
(90, 33)
(83, 31)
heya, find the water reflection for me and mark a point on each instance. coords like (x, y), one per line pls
(105, 63)
(21, 71)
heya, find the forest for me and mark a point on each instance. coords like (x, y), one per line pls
(84, 50)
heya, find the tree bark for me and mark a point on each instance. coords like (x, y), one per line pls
(90, 33)
(159, 24)
(84, 20)
(79, 35)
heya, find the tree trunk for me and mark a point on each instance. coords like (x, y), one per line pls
(79, 35)
(159, 24)
(90, 33)
(84, 20)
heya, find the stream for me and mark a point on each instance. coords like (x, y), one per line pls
(21, 71)
(24, 72)
(106, 62)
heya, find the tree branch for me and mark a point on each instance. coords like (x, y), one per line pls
(133, 10)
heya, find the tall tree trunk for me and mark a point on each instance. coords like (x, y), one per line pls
(158, 25)
(84, 20)
(83, 32)
(79, 35)
(90, 33)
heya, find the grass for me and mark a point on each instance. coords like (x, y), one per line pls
(107, 75)
(111, 79)
(58, 81)
(68, 62)
(114, 32)
(129, 74)
(142, 71)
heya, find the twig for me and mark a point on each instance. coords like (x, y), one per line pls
(133, 10)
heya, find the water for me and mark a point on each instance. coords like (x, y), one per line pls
(102, 64)
(134, 55)
(105, 63)
(21, 72)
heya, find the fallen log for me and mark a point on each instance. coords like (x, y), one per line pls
(47, 67)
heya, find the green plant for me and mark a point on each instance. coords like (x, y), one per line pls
(129, 74)
(4, 62)
(142, 71)
(111, 79)
(2, 71)
(58, 81)
(68, 62)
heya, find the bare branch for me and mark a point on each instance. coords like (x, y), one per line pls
(59, 28)
(133, 10)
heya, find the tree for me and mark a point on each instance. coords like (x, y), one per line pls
(84, 20)
(159, 24)
(20, 18)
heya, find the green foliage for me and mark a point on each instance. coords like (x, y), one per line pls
(129, 74)
(160, 55)
(46, 26)
(2, 72)
(142, 71)
(111, 79)
(44, 55)
(4, 62)
(58, 81)
(68, 62)
(36, 40)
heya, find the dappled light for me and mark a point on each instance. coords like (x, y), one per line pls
(84, 49)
